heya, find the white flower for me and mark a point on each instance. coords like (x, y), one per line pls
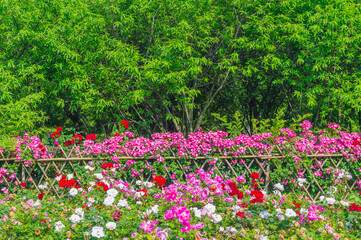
(301, 181)
(112, 192)
(90, 189)
(58, 226)
(92, 183)
(122, 203)
(263, 237)
(91, 201)
(343, 203)
(277, 192)
(43, 187)
(210, 208)
(74, 218)
(197, 212)
(221, 229)
(87, 167)
(58, 178)
(139, 203)
(322, 198)
(330, 201)
(148, 184)
(231, 231)
(333, 189)
(70, 176)
(73, 192)
(99, 176)
(80, 212)
(279, 187)
(98, 232)
(138, 183)
(111, 225)
(290, 213)
(303, 211)
(108, 201)
(121, 186)
(155, 209)
(280, 217)
(342, 175)
(264, 214)
(37, 204)
(139, 194)
(216, 218)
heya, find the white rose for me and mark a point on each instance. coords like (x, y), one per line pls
(98, 232)
(99, 176)
(70, 176)
(122, 203)
(138, 183)
(111, 225)
(210, 208)
(108, 201)
(155, 209)
(73, 192)
(216, 218)
(279, 187)
(112, 192)
(330, 201)
(290, 213)
(74, 218)
(343, 203)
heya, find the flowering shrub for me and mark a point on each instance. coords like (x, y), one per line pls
(204, 206)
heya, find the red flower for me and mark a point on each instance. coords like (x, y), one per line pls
(101, 185)
(258, 196)
(254, 184)
(42, 220)
(55, 135)
(254, 175)
(160, 180)
(58, 129)
(70, 183)
(40, 196)
(244, 205)
(69, 143)
(145, 192)
(355, 143)
(91, 137)
(107, 165)
(62, 182)
(241, 214)
(116, 135)
(22, 184)
(298, 213)
(297, 205)
(77, 186)
(78, 137)
(125, 123)
(235, 190)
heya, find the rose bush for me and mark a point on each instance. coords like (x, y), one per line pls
(205, 206)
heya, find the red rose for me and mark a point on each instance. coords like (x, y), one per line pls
(70, 183)
(297, 205)
(125, 123)
(116, 135)
(69, 143)
(62, 182)
(254, 184)
(22, 184)
(107, 165)
(101, 185)
(78, 137)
(55, 135)
(59, 129)
(160, 180)
(42, 220)
(241, 214)
(254, 175)
(91, 137)
(355, 143)
(40, 196)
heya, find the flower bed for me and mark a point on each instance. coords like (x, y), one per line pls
(98, 204)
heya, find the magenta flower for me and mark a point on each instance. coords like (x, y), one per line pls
(147, 226)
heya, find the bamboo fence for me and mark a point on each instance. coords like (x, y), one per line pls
(44, 170)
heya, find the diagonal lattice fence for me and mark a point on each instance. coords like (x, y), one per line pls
(272, 165)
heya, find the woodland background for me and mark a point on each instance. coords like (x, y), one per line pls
(175, 65)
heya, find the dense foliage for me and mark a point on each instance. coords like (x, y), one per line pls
(177, 65)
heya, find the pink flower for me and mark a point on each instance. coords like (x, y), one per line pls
(312, 216)
(134, 234)
(148, 226)
(169, 214)
(183, 214)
